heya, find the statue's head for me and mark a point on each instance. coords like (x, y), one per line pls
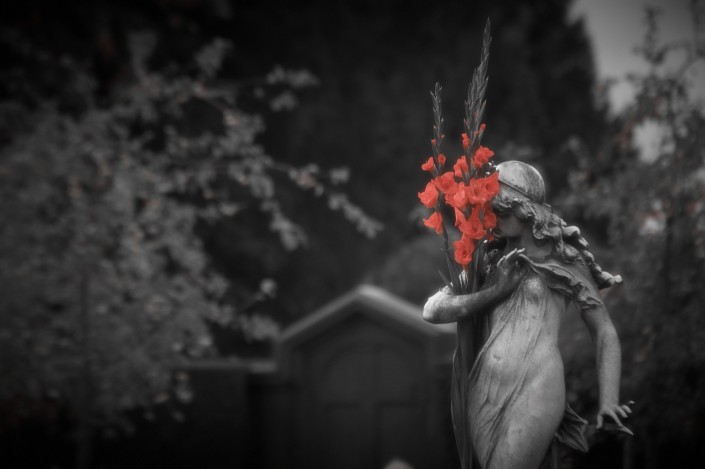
(522, 193)
(520, 200)
(519, 179)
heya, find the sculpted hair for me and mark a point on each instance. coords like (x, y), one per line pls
(568, 243)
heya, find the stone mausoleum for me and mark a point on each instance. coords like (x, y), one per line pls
(361, 383)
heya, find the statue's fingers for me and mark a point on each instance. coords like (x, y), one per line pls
(612, 414)
(599, 421)
(516, 253)
(504, 258)
(621, 412)
(626, 408)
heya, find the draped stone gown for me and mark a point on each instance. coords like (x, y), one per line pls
(515, 400)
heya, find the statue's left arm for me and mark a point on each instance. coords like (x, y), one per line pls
(609, 363)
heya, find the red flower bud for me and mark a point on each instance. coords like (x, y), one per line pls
(460, 167)
(428, 165)
(482, 155)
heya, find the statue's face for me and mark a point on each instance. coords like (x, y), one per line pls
(508, 225)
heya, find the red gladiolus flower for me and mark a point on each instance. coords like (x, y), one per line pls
(482, 155)
(446, 183)
(429, 196)
(441, 159)
(463, 250)
(460, 167)
(435, 221)
(428, 165)
(476, 192)
(489, 219)
(472, 227)
(459, 199)
(491, 184)
(466, 141)
(459, 216)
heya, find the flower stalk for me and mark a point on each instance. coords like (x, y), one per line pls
(468, 188)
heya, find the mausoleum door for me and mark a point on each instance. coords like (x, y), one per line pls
(364, 402)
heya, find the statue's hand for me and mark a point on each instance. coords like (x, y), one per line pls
(508, 272)
(433, 306)
(614, 411)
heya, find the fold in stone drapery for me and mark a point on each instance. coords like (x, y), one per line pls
(571, 280)
(571, 433)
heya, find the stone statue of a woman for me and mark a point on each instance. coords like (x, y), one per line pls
(514, 403)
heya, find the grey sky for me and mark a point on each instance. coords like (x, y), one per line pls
(617, 26)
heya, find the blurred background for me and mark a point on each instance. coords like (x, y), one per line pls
(186, 183)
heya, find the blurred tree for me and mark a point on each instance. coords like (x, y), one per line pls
(653, 213)
(105, 284)
(372, 112)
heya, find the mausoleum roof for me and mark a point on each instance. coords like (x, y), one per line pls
(375, 303)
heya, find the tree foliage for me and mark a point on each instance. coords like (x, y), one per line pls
(653, 214)
(106, 284)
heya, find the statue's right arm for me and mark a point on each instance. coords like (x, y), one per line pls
(444, 307)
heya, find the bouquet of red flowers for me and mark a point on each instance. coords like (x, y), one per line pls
(468, 188)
